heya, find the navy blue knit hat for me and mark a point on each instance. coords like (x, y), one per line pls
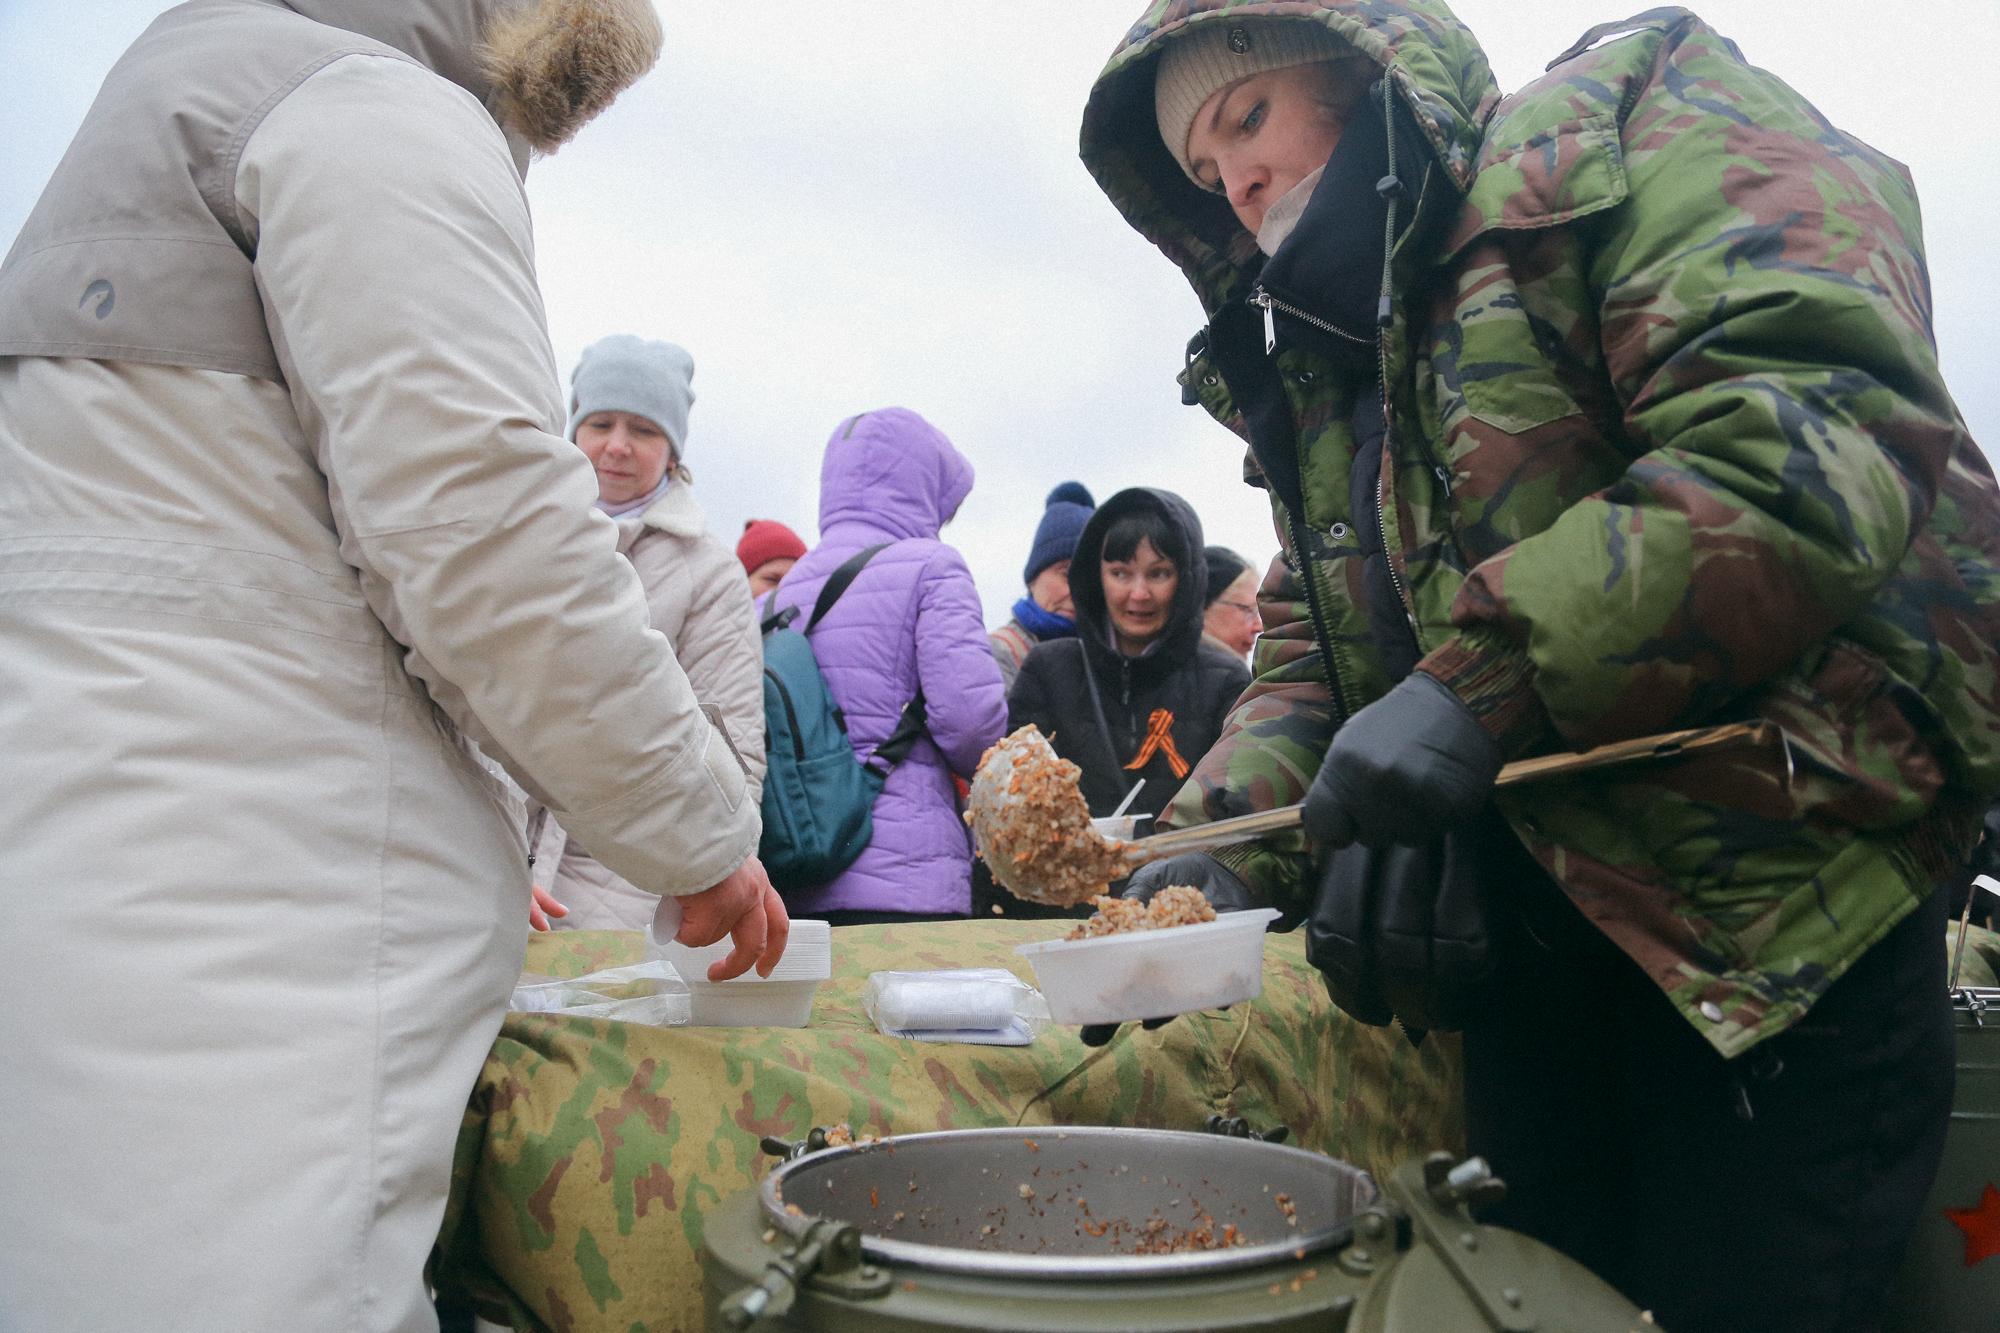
(1068, 508)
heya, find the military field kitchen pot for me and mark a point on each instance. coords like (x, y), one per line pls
(1080, 1229)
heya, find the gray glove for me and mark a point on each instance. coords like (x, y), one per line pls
(1225, 893)
(1407, 769)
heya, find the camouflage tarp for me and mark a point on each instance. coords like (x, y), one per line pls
(1979, 962)
(592, 1151)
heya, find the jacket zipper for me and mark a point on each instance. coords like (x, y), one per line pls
(1329, 664)
(791, 715)
(1381, 509)
(1320, 634)
(1272, 307)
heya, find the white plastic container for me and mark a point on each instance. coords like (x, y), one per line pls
(784, 999)
(1152, 973)
(754, 1004)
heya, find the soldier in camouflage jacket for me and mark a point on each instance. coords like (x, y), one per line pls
(1646, 432)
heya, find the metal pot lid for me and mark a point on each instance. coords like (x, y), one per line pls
(1075, 1202)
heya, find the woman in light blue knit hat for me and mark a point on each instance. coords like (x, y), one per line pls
(628, 413)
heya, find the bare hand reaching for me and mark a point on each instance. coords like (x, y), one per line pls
(744, 907)
(541, 907)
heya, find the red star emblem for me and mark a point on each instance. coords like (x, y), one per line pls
(1981, 1226)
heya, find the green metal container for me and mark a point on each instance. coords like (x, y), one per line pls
(1090, 1229)
(1951, 1281)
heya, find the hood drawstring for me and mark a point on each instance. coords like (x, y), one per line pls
(1390, 187)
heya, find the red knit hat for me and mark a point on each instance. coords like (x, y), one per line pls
(767, 539)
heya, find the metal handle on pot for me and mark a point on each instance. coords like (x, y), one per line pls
(827, 1243)
(1236, 1127)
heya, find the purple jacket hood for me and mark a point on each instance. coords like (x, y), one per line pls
(892, 472)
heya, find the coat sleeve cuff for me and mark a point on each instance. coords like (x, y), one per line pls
(1496, 682)
(1280, 877)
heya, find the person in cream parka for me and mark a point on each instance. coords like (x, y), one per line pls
(289, 522)
(628, 413)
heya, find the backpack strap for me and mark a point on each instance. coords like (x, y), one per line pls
(837, 582)
(896, 746)
(910, 725)
(776, 619)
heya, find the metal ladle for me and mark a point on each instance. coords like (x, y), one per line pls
(1019, 874)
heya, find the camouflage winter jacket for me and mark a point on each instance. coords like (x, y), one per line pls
(1668, 446)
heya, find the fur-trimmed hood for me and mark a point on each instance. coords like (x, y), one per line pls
(544, 68)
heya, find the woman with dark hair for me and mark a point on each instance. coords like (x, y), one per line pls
(1137, 695)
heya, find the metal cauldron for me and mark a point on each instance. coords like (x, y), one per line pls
(1111, 1228)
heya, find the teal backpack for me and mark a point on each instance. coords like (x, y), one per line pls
(819, 798)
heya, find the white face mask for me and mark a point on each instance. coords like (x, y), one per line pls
(1284, 215)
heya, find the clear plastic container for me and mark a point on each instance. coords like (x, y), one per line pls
(1152, 973)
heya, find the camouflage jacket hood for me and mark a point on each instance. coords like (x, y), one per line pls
(1667, 446)
(1438, 67)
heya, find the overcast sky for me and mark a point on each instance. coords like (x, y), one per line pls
(841, 207)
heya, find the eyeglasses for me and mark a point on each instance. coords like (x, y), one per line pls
(1241, 608)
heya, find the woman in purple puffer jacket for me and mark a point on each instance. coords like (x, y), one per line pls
(910, 620)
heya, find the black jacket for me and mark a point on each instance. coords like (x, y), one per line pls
(1188, 685)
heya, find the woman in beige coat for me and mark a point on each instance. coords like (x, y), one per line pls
(628, 413)
(288, 519)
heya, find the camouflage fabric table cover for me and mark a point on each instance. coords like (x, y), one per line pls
(591, 1151)
(1979, 961)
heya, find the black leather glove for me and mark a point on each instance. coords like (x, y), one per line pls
(1406, 769)
(1225, 893)
(1409, 932)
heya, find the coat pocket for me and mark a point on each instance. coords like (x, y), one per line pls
(1495, 358)
(723, 764)
(1858, 739)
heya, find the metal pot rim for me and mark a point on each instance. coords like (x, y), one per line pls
(980, 1263)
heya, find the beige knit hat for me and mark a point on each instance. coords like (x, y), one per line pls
(1216, 55)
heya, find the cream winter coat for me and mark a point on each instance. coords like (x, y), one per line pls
(272, 908)
(696, 595)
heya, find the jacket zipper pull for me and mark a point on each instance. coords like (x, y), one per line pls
(1444, 479)
(1262, 299)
